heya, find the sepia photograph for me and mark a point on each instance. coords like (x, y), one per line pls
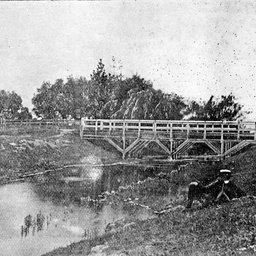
(128, 127)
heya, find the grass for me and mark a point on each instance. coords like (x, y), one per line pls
(228, 229)
(42, 150)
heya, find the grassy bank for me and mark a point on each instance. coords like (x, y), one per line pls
(228, 229)
(27, 153)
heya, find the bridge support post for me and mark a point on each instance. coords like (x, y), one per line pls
(171, 141)
(124, 140)
(123, 147)
(222, 143)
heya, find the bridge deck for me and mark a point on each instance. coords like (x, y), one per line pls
(168, 129)
(174, 137)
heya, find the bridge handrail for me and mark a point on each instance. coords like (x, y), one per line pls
(156, 125)
(50, 122)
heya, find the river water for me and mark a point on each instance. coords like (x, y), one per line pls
(58, 217)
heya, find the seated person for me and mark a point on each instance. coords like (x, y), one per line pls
(223, 189)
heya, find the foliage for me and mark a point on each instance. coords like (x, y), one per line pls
(99, 92)
(112, 96)
(11, 106)
(24, 114)
(135, 98)
(226, 108)
(106, 96)
(59, 100)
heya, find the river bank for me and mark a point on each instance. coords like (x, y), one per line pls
(26, 154)
(227, 229)
(224, 230)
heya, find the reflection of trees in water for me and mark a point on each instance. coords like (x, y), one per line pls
(35, 223)
(114, 177)
(59, 191)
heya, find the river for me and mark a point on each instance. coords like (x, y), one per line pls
(56, 213)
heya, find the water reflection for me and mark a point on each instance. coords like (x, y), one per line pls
(36, 223)
(59, 208)
(73, 185)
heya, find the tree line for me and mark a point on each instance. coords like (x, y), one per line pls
(107, 96)
(11, 106)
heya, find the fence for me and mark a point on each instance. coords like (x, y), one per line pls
(10, 125)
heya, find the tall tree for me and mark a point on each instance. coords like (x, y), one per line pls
(11, 106)
(169, 107)
(225, 108)
(60, 100)
(100, 89)
(45, 101)
(136, 99)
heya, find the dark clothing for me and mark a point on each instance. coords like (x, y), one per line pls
(223, 188)
(217, 191)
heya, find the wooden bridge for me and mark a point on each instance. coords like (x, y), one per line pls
(175, 138)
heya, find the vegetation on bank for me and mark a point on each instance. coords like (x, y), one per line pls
(43, 150)
(227, 229)
(107, 95)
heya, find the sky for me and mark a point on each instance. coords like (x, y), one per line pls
(195, 48)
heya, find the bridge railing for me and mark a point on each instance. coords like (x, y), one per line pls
(168, 128)
(45, 123)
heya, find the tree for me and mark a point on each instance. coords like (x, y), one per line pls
(169, 107)
(11, 106)
(225, 108)
(45, 101)
(60, 100)
(76, 97)
(107, 96)
(136, 99)
(99, 92)
(24, 114)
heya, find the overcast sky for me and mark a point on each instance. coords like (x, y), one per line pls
(193, 48)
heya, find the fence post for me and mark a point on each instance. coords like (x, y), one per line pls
(110, 126)
(204, 130)
(96, 127)
(238, 131)
(154, 129)
(187, 130)
(222, 141)
(139, 131)
(81, 128)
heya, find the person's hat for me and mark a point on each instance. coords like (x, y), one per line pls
(225, 171)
